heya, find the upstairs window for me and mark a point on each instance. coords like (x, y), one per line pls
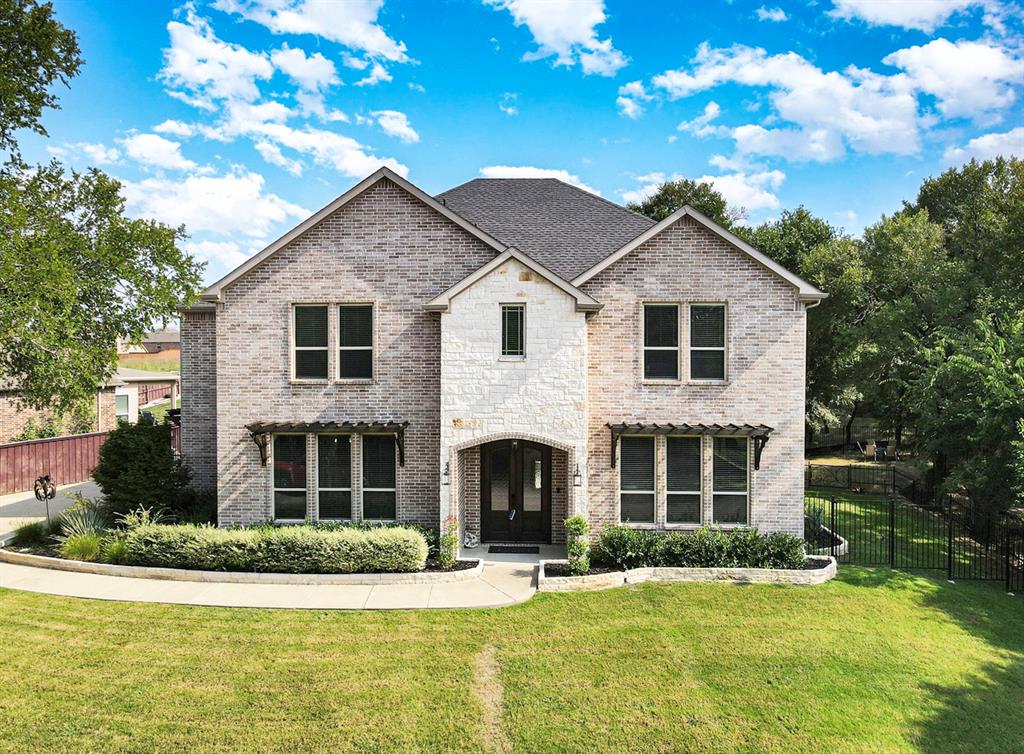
(289, 477)
(683, 471)
(334, 477)
(513, 330)
(730, 476)
(311, 342)
(379, 477)
(661, 342)
(707, 342)
(636, 480)
(355, 341)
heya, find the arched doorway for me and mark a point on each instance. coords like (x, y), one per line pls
(515, 491)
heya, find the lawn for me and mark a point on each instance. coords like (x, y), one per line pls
(159, 410)
(166, 361)
(875, 661)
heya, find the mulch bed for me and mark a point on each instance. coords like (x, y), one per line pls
(562, 569)
(460, 565)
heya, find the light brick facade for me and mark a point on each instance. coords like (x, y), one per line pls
(14, 418)
(443, 372)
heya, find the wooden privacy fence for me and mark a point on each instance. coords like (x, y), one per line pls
(67, 459)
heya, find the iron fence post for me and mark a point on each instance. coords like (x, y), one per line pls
(949, 543)
(832, 523)
(849, 477)
(892, 531)
(1004, 523)
(893, 469)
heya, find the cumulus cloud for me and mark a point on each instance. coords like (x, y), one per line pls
(395, 123)
(233, 203)
(649, 185)
(95, 154)
(273, 154)
(509, 171)
(775, 15)
(799, 145)
(225, 254)
(988, 147)
(508, 103)
(175, 128)
(923, 15)
(310, 72)
(566, 30)
(153, 150)
(630, 97)
(701, 125)
(749, 191)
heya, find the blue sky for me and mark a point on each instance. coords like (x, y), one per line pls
(240, 117)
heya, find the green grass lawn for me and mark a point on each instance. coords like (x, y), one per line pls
(159, 410)
(876, 661)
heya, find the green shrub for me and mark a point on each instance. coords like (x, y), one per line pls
(137, 467)
(623, 547)
(277, 549)
(113, 550)
(85, 546)
(142, 517)
(82, 517)
(428, 534)
(577, 546)
(36, 534)
(448, 546)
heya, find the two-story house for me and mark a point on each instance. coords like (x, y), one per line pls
(509, 352)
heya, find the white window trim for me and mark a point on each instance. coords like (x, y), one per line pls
(653, 523)
(644, 348)
(292, 348)
(362, 479)
(502, 356)
(348, 489)
(745, 495)
(724, 348)
(274, 489)
(372, 347)
(698, 492)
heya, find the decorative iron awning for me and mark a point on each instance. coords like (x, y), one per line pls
(261, 431)
(758, 433)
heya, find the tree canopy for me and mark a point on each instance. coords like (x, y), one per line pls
(702, 197)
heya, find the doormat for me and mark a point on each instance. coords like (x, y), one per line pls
(513, 550)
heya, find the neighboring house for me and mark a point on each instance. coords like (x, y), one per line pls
(157, 341)
(509, 352)
(15, 418)
(140, 388)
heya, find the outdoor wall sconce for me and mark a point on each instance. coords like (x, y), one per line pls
(445, 475)
(577, 477)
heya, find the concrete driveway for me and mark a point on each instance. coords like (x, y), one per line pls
(20, 508)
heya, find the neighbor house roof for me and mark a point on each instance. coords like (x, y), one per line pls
(163, 336)
(565, 228)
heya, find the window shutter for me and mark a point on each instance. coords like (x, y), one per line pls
(661, 326)
(707, 327)
(311, 326)
(355, 326)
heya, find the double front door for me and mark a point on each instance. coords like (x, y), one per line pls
(515, 491)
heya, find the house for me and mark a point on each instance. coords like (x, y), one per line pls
(157, 341)
(508, 352)
(16, 418)
(140, 388)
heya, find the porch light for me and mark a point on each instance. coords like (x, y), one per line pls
(577, 477)
(445, 475)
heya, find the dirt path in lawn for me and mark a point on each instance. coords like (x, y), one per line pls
(488, 689)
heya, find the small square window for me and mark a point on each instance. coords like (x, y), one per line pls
(513, 330)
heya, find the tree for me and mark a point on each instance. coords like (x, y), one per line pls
(137, 467)
(790, 238)
(702, 197)
(36, 51)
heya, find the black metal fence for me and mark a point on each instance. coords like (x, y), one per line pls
(878, 480)
(949, 534)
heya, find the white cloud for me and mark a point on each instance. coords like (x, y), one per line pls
(701, 125)
(749, 191)
(874, 114)
(988, 147)
(209, 68)
(273, 154)
(377, 74)
(509, 171)
(395, 123)
(175, 128)
(342, 153)
(630, 97)
(798, 145)
(848, 216)
(776, 15)
(226, 254)
(566, 29)
(96, 154)
(649, 185)
(508, 103)
(969, 79)
(232, 203)
(311, 72)
(413, 86)
(352, 23)
(924, 15)
(156, 151)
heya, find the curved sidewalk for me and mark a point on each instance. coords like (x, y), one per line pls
(500, 584)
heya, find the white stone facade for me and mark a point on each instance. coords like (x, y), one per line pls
(541, 396)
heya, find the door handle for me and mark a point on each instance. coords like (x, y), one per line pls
(511, 513)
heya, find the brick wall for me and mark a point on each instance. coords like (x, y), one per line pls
(199, 396)
(14, 418)
(385, 248)
(765, 350)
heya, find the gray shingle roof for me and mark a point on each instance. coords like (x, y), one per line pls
(565, 228)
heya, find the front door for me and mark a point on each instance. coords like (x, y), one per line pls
(515, 491)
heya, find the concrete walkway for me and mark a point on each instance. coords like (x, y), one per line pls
(20, 508)
(505, 581)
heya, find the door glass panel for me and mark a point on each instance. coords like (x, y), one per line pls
(533, 480)
(500, 458)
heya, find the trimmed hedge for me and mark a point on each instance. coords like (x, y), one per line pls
(624, 547)
(271, 549)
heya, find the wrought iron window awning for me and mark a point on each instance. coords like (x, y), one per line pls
(261, 431)
(758, 433)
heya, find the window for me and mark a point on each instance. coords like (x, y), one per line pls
(121, 407)
(355, 341)
(289, 477)
(311, 342)
(729, 492)
(683, 473)
(661, 342)
(334, 477)
(636, 480)
(707, 342)
(513, 330)
(378, 477)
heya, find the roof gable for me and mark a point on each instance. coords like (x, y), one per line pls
(806, 291)
(213, 292)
